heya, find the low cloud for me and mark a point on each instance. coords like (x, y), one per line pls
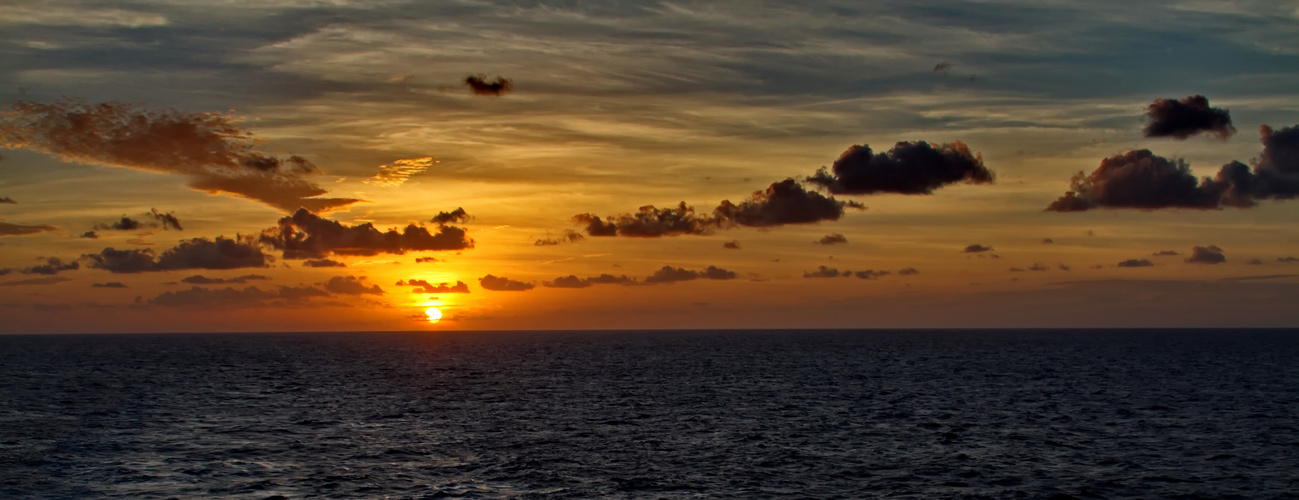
(421, 260)
(166, 221)
(871, 274)
(1206, 255)
(6, 199)
(731, 245)
(669, 274)
(503, 284)
(1254, 262)
(305, 235)
(8, 229)
(1136, 263)
(111, 284)
(399, 171)
(232, 297)
(976, 248)
(1287, 259)
(323, 263)
(1047, 241)
(212, 150)
(832, 239)
(199, 279)
(52, 266)
(422, 286)
(649, 222)
(826, 272)
(572, 281)
(1185, 117)
(569, 236)
(1038, 266)
(480, 85)
(1165, 253)
(457, 216)
(197, 253)
(908, 271)
(908, 168)
(351, 285)
(90, 234)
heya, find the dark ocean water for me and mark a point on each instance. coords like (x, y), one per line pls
(824, 414)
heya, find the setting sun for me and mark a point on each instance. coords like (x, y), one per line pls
(433, 314)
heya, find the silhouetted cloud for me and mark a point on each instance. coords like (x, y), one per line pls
(197, 253)
(1165, 253)
(1038, 266)
(480, 85)
(199, 279)
(1136, 263)
(569, 236)
(6, 199)
(975, 248)
(669, 274)
(1254, 262)
(908, 168)
(90, 234)
(36, 281)
(351, 285)
(1137, 179)
(716, 273)
(908, 271)
(826, 272)
(421, 260)
(503, 284)
(111, 284)
(732, 245)
(784, 202)
(305, 235)
(832, 239)
(1185, 117)
(8, 229)
(572, 281)
(871, 274)
(399, 171)
(52, 265)
(422, 286)
(943, 67)
(324, 263)
(649, 222)
(1206, 255)
(211, 149)
(609, 279)
(455, 216)
(1047, 241)
(167, 220)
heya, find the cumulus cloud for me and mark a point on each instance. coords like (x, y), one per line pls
(480, 85)
(212, 150)
(111, 284)
(1136, 263)
(716, 273)
(908, 168)
(1206, 255)
(324, 263)
(871, 274)
(457, 216)
(52, 265)
(731, 245)
(503, 284)
(232, 297)
(826, 272)
(199, 279)
(8, 229)
(572, 281)
(1254, 262)
(422, 286)
(399, 171)
(197, 253)
(569, 236)
(305, 235)
(1185, 117)
(832, 239)
(976, 248)
(351, 285)
(649, 222)
(669, 274)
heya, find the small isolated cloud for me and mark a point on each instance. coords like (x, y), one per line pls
(6, 199)
(649, 222)
(1254, 262)
(826, 272)
(197, 253)
(1165, 253)
(323, 263)
(1047, 241)
(199, 279)
(422, 286)
(399, 171)
(1287, 259)
(572, 281)
(1038, 266)
(52, 266)
(569, 236)
(1136, 263)
(975, 248)
(871, 274)
(731, 245)
(503, 284)
(1185, 117)
(908, 271)
(784, 202)
(111, 284)
(480, 85)
(1206, 255)
(457, 216)
(1063, 267)
(305, 235)
(90, 234)
(351, 285)
(421, 260)
(908, 168)
(832, 239)
(8, 229)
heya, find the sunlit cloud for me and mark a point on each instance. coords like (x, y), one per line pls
(399, 171)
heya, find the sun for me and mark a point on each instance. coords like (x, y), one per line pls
(433, 314)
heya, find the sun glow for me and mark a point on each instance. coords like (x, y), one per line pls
(434, 314)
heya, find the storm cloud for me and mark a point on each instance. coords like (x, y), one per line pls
(197, 253)
(1185, 117)
(908, 168)
(305, 235)
(503, 284)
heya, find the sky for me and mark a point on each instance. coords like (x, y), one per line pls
(323, 165)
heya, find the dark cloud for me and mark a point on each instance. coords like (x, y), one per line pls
(455, 216)
(305, 235)
(609, 279)
(908, 271)
(784, 202)
(6, 199)
(1047, 241)
(36, 281)
(1063, 267)
(716, 273)
(1165, 253)
(1136, 263)
(52, 265)
(1038, 266)
(111, 284)
(826, 272)
(943, 67)
(909, 168)
(503, 284)
(125, 224)
(1206, 255)
(1185, 117)
(422, 286)
(211, 149)
(569, 281)
(421, 260)
(569, 236)
(325, 263)
(197, 253)
(198, 279)
(732, 245)
(1137, 179)
(7, 229)
(649, 222)
(90, 234)
(975, 248)
(167, 220)
(480, 85)
(832, 239)
(572, 281)
(232, 297)
(350, 285)
(1287, 259)
(871, 274)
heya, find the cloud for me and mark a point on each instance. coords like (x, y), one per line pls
(1038, 266)
(1047, 241)
(1016, 270)
(1206, 255)
(166, 220)
(231, 297)
(422, 286)
(572, 281)
(569, 236)
(669, 274)
(871, 274)
(111, 284)
(197, 253)
(6, 199)
(7, 229)
(503, 284)
(52, 265)
(1185, 117)
(832, 239)
(784, 202)
(421, 260)
(211, 149)
(732, 245)
(1165, 253)
(716, 273)
(90, 234)
(480, 85)
(305, 235)
(350, 285)
(826, 272)
(455, 216)
(909, 168)
(36, 281)
(1137, 179)
(976, 248)
(1136, 263)
(198, 279)
(324, 263)
(400, 170)
(1287, 259)
(649, 222)
(908, 271)
(943, 67)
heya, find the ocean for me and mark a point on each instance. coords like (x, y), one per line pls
(927, 414)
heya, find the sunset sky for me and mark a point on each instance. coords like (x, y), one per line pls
(848, 164)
